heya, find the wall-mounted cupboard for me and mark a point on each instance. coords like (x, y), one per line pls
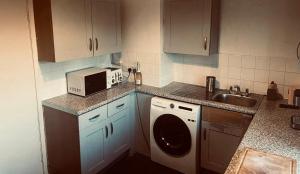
(72, 29)
(191, 26)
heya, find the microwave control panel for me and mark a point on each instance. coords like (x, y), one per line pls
(116, 75)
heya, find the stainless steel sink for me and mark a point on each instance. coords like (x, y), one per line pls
(235, 100)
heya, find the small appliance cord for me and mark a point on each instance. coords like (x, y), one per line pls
(140, 118)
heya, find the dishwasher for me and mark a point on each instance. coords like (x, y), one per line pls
(221, 134)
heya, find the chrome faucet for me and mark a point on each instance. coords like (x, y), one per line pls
(236, 90)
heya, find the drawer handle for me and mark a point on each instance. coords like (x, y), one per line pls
(91, 44)
(205, 43)
(120, 106)
(94, 118)
(106, 131)
(111, 128)
(97, 44)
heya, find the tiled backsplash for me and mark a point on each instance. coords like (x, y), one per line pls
(150, 65)
(253, 72)
(257, 45)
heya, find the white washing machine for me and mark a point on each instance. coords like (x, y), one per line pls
(174, 131)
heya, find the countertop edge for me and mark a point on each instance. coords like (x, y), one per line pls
(129, 88)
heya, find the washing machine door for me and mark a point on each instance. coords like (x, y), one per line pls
(172, 135)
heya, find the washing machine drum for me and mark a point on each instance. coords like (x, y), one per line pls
(172, 135)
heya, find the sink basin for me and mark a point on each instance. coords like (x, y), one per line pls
(235, 100)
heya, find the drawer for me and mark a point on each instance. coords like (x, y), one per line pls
(118, 105)
(93, 117)
(224, 117)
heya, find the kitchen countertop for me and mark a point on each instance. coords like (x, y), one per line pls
(77, 105)
(197, 95)
(270, 132)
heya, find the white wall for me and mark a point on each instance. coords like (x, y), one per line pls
(260, 27)
(258, 40)
(51, 82)
(50, 78)
(20, 150)
(141, 35)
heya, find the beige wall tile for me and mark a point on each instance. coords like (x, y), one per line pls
(260, 88)
(223, 60)
(247, 84)
(222, 83)
(292, 79)
(292, 65)
(234, 73)
(277, 64)
(248, 61)
(277, 77)
(247, 74)
(262, 63)
(281, 89)
(261, 76)
(232, 82)
(286, 92)
(234, 61)
(222, 72)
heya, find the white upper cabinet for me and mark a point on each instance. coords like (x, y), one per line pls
(191, 26)
(106, 22)
(72, 29)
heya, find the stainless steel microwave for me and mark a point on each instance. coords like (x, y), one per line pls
(88, 81)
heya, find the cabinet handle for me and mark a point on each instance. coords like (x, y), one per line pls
(298, 56)
(204, 134)
(119, 106)
(91, 45)
(94, 118)
(106, 131)
(97, 44)
(111, 128)
(205, 43)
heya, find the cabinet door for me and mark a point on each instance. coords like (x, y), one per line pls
(217, 149)
(191, 26)
(120, 133)
(93, 144)
(106, 23)
(183, 26)
(71, 29)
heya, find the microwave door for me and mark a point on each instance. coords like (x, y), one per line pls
(95, 83)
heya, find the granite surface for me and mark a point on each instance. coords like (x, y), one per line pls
(270, 132)
(77, 105)
(197, 95)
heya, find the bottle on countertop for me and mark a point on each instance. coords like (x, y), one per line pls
(272, 93)
(138, 75)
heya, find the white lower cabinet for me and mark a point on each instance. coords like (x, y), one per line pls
(88, 143)
(119, 140)
(106, 138)
(93, 143)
